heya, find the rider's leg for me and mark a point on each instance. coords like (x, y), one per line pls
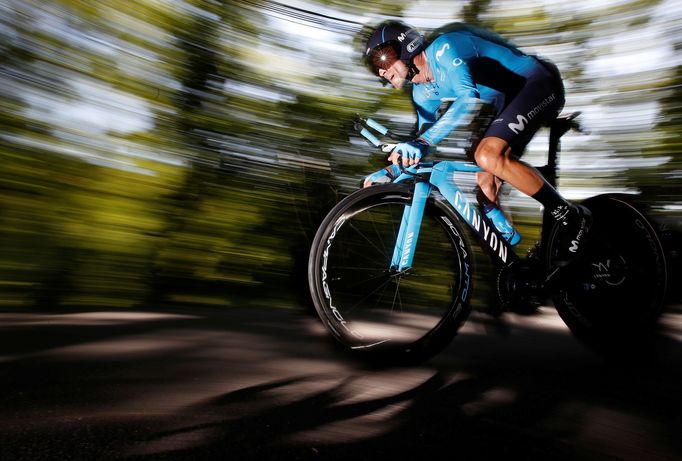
(494, 156)
(489, 185)
(487, 194)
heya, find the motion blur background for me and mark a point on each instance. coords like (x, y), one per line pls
(164, 152)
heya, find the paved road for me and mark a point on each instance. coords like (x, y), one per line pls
(266, 383)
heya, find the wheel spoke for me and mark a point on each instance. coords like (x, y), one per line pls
(365, 303)
(363, 281)
(367, 296)
(362, 234)
(396, 296)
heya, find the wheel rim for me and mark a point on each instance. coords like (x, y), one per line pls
(370, 304)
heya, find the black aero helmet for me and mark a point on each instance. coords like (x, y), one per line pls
(393, 40)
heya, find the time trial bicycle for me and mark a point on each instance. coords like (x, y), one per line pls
(391, 268)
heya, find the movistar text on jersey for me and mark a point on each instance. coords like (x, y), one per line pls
(522, 121)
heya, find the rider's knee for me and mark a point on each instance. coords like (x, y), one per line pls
(489, 157)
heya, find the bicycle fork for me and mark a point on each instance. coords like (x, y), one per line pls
(441, 177)
(406, 243)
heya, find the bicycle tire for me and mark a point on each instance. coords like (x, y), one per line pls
(615, 292)
(373, 312)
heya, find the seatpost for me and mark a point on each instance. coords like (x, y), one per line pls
(557, 129)
(555, 133)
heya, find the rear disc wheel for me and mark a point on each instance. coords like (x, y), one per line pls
(615, 290)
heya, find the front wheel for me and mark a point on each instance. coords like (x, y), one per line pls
(614, 293)
(372, 309)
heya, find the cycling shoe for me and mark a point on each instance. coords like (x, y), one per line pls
(573, 228)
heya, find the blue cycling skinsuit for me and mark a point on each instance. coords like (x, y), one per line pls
(469, 63)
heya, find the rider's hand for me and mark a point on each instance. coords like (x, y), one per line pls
(410, 152)
(383, 176)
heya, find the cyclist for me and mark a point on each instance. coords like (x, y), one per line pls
(472, 66)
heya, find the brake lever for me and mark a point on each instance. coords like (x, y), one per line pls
(387, 148)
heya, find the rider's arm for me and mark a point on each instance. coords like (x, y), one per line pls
(412, 151)
(449, 55)
(460, 113)
(426, 113)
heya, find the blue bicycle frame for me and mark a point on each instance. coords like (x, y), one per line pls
(440, 175)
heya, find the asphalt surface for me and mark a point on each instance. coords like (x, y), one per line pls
(267, 383)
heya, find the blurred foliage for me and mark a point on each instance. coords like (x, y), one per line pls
(184, 151)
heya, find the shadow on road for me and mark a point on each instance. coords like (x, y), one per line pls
(268, 384)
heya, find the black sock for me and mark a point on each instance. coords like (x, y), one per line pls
(554, 203)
